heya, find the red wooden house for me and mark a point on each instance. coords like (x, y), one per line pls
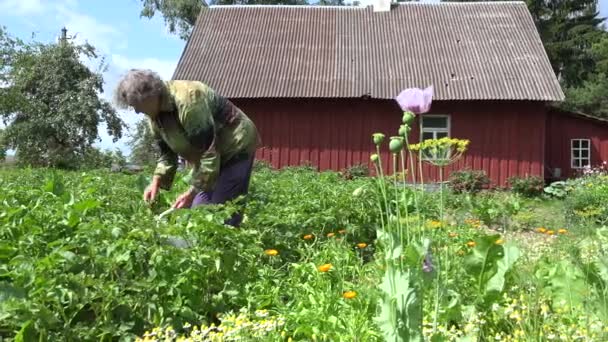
(318, 81)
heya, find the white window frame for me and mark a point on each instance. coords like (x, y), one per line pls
(434, 130)
(580, 150)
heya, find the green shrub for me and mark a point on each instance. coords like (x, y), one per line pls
(471, 181)
(588, 201)
(356, 171)
(530, 186)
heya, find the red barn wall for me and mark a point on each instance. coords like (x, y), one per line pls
(561, 128)
(507, 139)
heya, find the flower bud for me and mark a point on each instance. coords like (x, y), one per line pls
(378, 138)
(408, 117)
(374, 158)
(396, 144)
(404, 130)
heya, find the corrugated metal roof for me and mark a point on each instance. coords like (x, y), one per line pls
(468, 51)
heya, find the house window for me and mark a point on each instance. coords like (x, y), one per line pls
(581, 153)
(434, 126)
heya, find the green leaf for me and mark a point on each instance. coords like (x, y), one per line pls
(400, 315)
(496, 283)
(567, 286)
(8, 291)
(27, 333)
(482, 262)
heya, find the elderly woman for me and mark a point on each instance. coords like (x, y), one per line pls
(189, 119)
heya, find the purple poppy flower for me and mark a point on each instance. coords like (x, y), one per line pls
(416, 100)
(427, 264)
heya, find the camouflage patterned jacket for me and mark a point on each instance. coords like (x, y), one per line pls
(205, 129)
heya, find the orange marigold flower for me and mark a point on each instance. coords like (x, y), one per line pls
(471, 244)
(541, 229)
(331, 235)
(324, 268)
(349, 294)
(308, 237)
(361, 245)
(452, 234)
(342, 231)
(271, 252)
(499, 241)
(562, 231)
(550, 232)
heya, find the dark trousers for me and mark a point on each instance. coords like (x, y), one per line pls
(232, 182)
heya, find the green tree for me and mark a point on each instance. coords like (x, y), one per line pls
(142, 144)
(592, 96)
(568, 29)
(2, 148)
(180, 15)
(51, 106)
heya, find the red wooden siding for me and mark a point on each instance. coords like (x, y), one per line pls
(561, 128)
(507, 139)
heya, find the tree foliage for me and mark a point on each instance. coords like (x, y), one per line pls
(180, 15)
(568, 29)
(592, 96)
(50, 103)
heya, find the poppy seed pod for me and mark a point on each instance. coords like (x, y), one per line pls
(404, 130)
(374, 158)
(378, 138)
(408, 117)
(396, 144)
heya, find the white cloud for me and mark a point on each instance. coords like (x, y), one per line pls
(162, 67)
(104, 37)
(22, 7)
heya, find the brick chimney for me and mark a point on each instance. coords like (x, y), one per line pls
(381, 5)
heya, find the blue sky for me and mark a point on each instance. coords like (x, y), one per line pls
(122, 37)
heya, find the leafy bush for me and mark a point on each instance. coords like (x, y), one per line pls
(356, 171)
(588, 200)
(471, 181)
(559, 189)
(530, 186)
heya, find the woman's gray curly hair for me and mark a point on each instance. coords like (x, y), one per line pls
(137, 85)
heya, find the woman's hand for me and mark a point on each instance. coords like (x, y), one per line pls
(185, 200)
(152, 191)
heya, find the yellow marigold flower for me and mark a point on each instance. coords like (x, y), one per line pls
(331, 235)
(550, 232)
(324, 268)
(342, 231)
(471, 244)
(562, 231)
(453, 235)
(349, 294)
(361, 245)
(308, 237)
(460, 252)
(499, 242)
(541, 230)
(435, 224)
(271, 252)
